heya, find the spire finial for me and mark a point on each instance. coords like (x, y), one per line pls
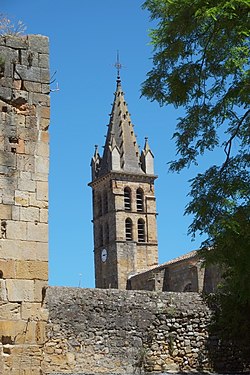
(118, 67)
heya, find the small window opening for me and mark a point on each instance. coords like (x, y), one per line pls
(127, 199)
(139, 200)
(128, 229)
(141, 230)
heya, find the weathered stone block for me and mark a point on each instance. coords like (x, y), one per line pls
(43, 60)
(45, 77)
(40, 100)
(43, 215)
(44, 136)
(39, 43)
(7, 268)
(41, 164)
(20, 290)
(36, 203)
(15, 213)
(5, 211)
(25, 163)
(26, 185)
(7, 158)
(5, 93)
(10, 311)
(29, 214)
(31, 270)
(28, 73)
(33, 86)
(3, 292)
(21, 198)
(37, 232)
(16, 230)
(33, 311)
(16, 42)
(23, 250)
(42, 149)
(42, 191)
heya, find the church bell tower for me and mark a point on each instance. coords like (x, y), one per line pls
(124, 208)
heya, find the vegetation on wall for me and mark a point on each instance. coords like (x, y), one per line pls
(201, 62)
(9, 27)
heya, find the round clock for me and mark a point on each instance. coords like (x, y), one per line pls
(104, 255)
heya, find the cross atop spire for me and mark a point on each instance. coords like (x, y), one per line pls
(118, 67)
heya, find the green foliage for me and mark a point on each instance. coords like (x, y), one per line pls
(201, 62)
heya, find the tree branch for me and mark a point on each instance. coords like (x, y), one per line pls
(228, 145)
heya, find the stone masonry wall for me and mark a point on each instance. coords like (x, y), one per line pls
(24, 164)
(94, 331)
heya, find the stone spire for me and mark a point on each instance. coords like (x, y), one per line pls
(121, 151)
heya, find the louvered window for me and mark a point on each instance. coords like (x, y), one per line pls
(139, 200)
(141, 230)
(127, 199)
(128, 229)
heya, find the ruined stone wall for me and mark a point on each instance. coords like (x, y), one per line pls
(113, 331)
(24, 164)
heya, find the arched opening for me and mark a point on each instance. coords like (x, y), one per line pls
(100, 235)
(127, 199)
(107, 233)
(99, 204)
(139, 200)
(128, 229)
(105, 202)
(141, 230)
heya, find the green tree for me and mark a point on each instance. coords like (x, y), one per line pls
(201, 62)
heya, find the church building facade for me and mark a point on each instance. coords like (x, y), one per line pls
(124, 217)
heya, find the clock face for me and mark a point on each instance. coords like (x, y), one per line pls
(104, 255)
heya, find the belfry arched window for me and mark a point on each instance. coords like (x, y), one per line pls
(139, 200)
(128, 229)
(100, 235)
(141, 230)
(105, 202)
(99, 204)
(107, 233)
(127, 199)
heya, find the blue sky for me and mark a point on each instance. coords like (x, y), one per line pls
(84, 37)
